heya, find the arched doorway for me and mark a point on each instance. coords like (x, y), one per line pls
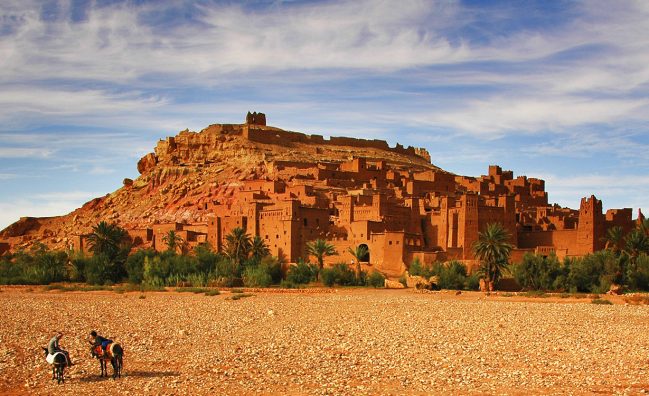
(366, 257)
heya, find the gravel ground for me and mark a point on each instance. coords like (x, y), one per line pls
(352, 342)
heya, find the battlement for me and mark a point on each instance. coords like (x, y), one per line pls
(256, 118)
(251, 131)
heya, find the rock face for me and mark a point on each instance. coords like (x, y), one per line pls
(188, 172)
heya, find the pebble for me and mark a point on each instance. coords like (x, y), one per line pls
(344, 343)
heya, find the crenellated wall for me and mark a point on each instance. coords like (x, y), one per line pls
(281, 137)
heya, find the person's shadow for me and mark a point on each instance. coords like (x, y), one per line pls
(136, 373)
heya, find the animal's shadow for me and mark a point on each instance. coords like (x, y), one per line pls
(137, 373)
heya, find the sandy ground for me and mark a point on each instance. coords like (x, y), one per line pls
(345, 342)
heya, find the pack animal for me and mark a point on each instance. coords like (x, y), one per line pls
(113, 353)
(58, 362)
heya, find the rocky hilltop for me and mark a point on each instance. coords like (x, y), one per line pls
(186, 173)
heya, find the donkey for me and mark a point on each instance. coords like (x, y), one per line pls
(58, 363)
(113, 354)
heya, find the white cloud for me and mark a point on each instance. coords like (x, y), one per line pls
(498, 116)
(42, 205)
(57, 102)
(23, 152)
(628, 189)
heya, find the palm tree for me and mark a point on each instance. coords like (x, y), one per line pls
(643, 225)
(258, 248)
(319, 249)
(360, 253)
(613, 239)
(107, 239)
(238, 245)
(492, 249)
(637, 242)
(173, 241)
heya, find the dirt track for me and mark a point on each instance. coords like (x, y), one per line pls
(348, 342)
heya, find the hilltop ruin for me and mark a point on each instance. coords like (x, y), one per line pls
(290, 188)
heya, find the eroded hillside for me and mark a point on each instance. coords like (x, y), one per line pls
(187, 172)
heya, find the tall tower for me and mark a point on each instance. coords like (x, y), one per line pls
(591, 226)
(468, 223)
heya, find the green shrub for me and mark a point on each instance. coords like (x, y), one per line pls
(535, 294)
(376, 279)
(77, 268)
(302, 273)
(212, 292)
(639, 279)
(135, 265)
(100, 270)
(195, 290)
(198, 279)
(238, 291)
(539, 273)
(418, 269)
(206, 258)
(473, 282)
(585, 273)
(257, 277)
(10, 271)
(43, 266)
(601, 301)
(287, 284)
(452, 276)
(226, 269)
(273, 267)
(240, 296)
(340, 274)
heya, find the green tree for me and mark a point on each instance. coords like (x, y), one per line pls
(258, 248)
(536, 272)
(110, 240)
(614, 239)
(320, 249)
(360, 253)
(636, 243)
(238, 245)
(174, 241)
(643, 226)
(492, 249)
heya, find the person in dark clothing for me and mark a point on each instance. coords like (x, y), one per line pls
(98, 340)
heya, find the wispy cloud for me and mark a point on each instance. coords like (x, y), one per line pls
(42, 205)
(22, 152)
(86, 84)
(631, 189)
(7, 176)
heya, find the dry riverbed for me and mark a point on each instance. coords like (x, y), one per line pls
(345, 342)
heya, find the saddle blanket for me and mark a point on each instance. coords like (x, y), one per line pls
(50, 358)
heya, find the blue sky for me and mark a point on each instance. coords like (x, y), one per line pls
(551, 89)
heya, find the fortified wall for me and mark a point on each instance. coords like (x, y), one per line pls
(255, 130)
(398, 210)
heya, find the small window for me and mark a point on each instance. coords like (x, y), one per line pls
(305, 222)
(276, 236)
(397, 242)
(389, 242)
